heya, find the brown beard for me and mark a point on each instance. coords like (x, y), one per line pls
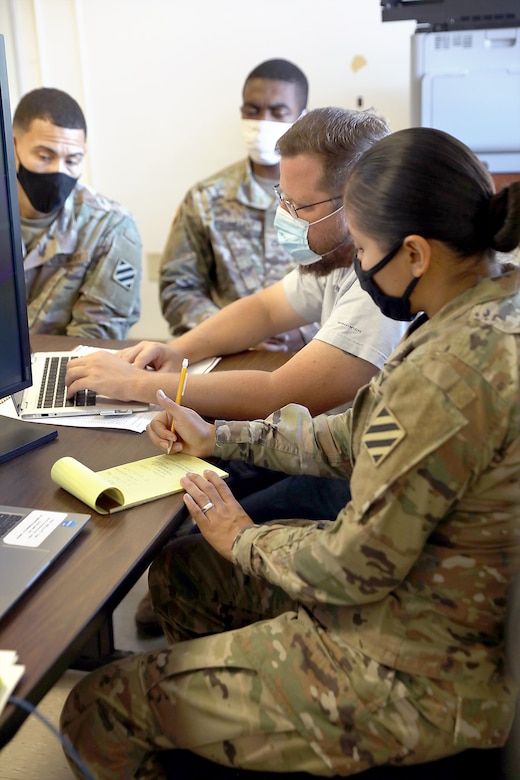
(340, 257)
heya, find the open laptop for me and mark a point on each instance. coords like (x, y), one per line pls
(30, 539)
(47, 397)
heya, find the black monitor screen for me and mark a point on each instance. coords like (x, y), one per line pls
(16, 436)
(15, 353)
(438, 15)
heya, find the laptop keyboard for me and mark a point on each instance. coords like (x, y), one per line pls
(8, 522)
(53, 390)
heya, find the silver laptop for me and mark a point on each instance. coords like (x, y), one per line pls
(47, 397)
(30, 539)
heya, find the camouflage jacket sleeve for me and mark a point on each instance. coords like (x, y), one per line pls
(222, 246)
(186, 268)
(318, 447)
(83, 270)
(108, 303)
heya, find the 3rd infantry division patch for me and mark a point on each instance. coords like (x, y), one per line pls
(124, 274)
(382, 436)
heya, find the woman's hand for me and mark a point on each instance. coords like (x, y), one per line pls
(191, 434)
(222, 518)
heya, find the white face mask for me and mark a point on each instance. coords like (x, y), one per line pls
(260, 138)
(293, 235)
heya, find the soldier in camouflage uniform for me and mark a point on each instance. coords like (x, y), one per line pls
(223, 244)
(330, 647)
(82, 251)
(318, 152)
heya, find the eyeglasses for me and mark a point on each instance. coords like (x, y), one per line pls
(292, 209)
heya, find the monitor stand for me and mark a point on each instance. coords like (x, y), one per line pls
(18, 436)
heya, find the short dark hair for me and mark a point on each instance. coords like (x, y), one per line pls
(425, 181)
(52, 105)
(339, 136)
(282, 70)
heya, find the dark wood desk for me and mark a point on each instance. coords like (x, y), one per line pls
(503, 179)
(75, 598)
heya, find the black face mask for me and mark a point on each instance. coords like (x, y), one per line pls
(47, 192)
(395, 308)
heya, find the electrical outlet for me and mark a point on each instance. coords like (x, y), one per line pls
(153, 263)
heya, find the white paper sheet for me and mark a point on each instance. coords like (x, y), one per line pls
(10, 674)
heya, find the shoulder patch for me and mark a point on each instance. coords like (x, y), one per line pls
(383, 434)
(124, 274)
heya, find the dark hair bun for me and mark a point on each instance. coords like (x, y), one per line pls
(503, 218)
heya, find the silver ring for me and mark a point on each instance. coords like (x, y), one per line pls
(207, 507)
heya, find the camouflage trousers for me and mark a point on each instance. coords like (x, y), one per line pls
(202, 693)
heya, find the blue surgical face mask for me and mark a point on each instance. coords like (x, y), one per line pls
(390, 305)
(293, 235)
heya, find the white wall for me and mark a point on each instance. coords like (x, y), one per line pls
(160, 82)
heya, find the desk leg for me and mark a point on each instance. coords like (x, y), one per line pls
(99, 650)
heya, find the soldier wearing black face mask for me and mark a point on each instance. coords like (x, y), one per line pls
(82, 251)
(47, 192)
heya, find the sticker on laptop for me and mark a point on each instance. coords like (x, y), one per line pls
(35, 528)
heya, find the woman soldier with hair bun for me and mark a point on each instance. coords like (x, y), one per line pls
(378, 637)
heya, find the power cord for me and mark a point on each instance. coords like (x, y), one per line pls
(67, 747)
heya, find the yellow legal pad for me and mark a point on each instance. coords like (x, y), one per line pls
(128, 485)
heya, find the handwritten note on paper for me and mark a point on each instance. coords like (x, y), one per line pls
(121, 487)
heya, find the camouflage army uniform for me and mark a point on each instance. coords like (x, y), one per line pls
(377, 638)
(83, 268)
(222, 246)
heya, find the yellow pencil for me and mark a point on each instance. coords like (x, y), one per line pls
(180, 392)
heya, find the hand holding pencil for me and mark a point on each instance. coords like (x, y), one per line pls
(180, 392)
(193, 435)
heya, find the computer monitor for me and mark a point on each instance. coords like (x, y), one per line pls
(15, 351)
